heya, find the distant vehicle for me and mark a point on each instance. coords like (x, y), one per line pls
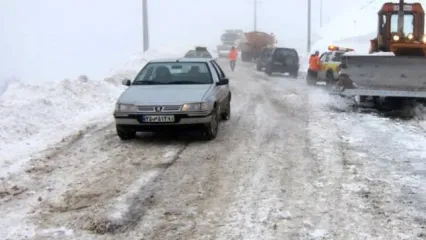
(199, 52)
(191, 93)
(330, 62)
(277, 59)
(230, 38)
(253, 43)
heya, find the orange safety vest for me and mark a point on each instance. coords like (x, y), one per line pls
(314, 63)
(233, 54)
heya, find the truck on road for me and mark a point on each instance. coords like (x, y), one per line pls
(253, 44)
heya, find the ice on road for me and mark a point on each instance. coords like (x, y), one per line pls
(286, 166)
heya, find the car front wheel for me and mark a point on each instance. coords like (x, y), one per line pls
(226, 115)
(211, 129)
(125, 133)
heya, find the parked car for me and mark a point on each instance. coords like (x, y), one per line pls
(199, 52)
(281, 60)
(191, 93)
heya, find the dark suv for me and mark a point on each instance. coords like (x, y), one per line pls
(280, 60)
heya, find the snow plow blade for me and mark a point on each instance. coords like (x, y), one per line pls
(383, 73)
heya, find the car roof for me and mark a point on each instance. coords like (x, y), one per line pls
(183, 59)
(336, 51)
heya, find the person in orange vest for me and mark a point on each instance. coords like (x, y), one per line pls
(232, 57)
(314, 66)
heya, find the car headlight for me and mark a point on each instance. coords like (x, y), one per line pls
(424, 39)
(410, 36)
(125, 108)
(396, 37)
(193, 107)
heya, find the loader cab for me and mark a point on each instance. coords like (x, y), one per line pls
(413, 28)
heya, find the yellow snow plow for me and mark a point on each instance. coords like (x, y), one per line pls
(395, 68)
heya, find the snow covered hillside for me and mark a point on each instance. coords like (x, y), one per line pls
(35, 116)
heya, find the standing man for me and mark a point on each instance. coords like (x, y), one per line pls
(314, 68)
(232, 57)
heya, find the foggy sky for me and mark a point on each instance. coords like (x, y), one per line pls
(53, 40)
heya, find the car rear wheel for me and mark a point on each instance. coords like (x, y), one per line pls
(268, 70)
(294, 74)
(330, 81)
(211, 129)
(125, 133)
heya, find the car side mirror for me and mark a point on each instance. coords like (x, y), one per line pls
(126, 82)
(223, 81)
(343, 66)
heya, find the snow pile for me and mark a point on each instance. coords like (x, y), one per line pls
(36, 116)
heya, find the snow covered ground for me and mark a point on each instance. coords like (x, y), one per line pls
(292, 163)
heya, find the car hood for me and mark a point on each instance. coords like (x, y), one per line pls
(164, 94)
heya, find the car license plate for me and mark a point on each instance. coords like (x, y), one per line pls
(158, 119)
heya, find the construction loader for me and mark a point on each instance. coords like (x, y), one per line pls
(394, 71)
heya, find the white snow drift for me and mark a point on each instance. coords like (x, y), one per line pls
(35, 116)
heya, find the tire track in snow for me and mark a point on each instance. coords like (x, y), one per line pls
(37, 164)
(105, 176)
(129, 208)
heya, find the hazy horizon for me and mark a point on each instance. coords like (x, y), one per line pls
(53, 40)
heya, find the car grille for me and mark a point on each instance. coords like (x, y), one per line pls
(165, 108)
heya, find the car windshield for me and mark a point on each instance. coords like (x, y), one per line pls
(337, 57)
(174, 73)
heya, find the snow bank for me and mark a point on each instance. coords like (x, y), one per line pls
(36, 116)
(374, 54)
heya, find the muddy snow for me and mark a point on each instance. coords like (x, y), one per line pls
(288, 165)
